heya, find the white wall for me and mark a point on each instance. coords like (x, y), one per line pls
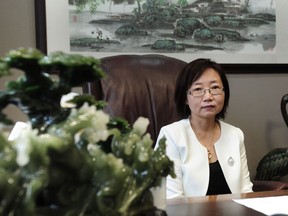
(255, 108)
(18, 30)
(255, 99)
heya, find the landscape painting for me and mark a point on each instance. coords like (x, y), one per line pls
(173, 26)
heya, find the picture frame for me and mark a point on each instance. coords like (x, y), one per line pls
(43, 39)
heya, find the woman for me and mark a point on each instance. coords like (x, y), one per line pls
(209, 155)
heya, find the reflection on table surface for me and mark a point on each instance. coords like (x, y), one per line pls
(216, 204)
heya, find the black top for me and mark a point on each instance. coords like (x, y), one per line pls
(217, 181)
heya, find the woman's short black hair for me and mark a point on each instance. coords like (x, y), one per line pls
(190, 73)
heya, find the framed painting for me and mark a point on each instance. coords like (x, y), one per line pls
(244, 40)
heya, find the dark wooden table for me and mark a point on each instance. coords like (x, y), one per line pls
(220, 205)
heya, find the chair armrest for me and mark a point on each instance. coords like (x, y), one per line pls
(259, 185)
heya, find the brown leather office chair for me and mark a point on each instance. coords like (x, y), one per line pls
(143, 85)
(139, 85)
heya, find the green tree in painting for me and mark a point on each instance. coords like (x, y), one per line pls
(92, 4)
(155, 12)
(182, 4)
(150, 13)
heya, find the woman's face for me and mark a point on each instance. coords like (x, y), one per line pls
(208, 105)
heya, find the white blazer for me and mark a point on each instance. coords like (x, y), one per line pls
(191, 162)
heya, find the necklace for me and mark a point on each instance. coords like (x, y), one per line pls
(203, 140)
(210, 155)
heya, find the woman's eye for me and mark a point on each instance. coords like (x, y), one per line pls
(215, 87)
(197, 90)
